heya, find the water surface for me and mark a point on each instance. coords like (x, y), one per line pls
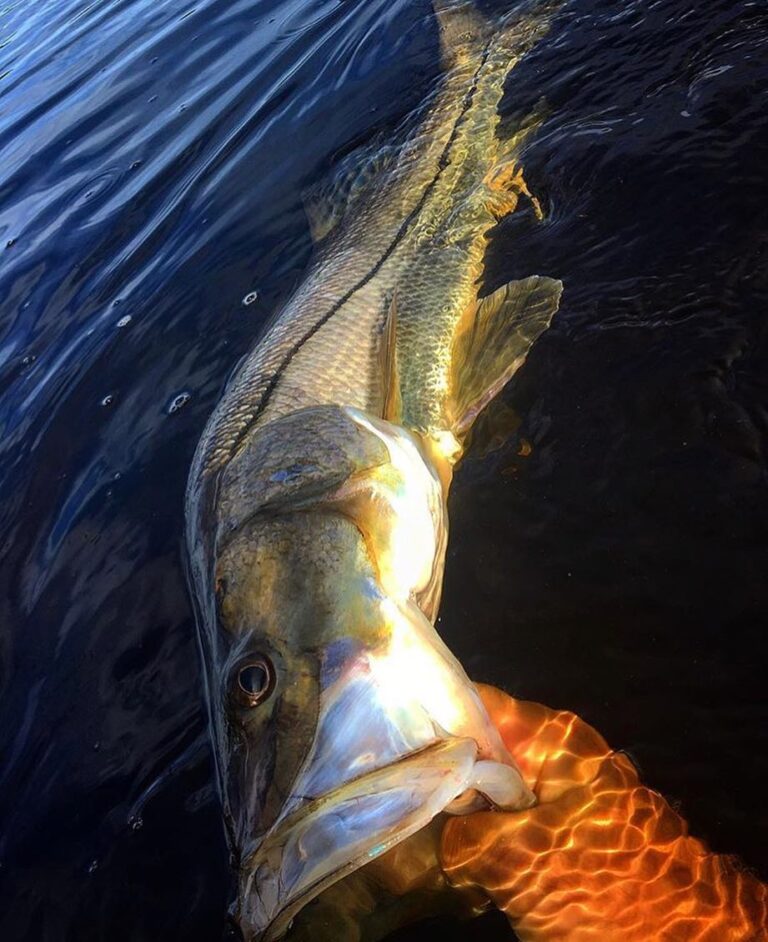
(610, 530)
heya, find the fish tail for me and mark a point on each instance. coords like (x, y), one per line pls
(463, 29)
(516, 33)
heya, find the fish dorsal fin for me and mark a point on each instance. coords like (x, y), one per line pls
(462, 28)
(493, 341)
(327, 202)
(391, 409)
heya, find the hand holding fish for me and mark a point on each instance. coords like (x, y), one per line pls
(600, 857)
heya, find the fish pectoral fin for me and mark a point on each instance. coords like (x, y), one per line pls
(392, 404)
(327, 202)
(493, 341)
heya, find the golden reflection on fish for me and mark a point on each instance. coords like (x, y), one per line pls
(317, 520)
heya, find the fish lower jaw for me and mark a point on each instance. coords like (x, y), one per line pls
(339, 832)
(496, 785)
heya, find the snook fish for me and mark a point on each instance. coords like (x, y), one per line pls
(316, 503)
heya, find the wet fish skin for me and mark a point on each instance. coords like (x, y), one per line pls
(342, 517)
(263, 557)
(323, 346)
(316, 505)
(433, 194)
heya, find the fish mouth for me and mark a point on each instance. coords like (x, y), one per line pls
(401, 736)
(341, 831)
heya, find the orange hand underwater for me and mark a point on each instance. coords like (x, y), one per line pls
(601, 858)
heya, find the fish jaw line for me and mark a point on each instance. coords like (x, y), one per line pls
(270, 899)
(400, 732)
(402, 736)
(343, 830)
(386, 698)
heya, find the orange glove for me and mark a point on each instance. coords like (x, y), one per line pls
(601, 858)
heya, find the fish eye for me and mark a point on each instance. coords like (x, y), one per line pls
(254, 680)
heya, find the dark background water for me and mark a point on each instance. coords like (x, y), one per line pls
(152, 156)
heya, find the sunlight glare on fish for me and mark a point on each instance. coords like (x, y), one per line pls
(411, 663)
(415, 506)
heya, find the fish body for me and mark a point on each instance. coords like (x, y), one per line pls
(317, 520)
(412, 221)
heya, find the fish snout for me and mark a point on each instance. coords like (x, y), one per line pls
(401, 736)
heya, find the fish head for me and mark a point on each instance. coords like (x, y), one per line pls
(343, 724)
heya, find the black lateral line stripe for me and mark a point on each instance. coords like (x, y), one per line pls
(443, 162)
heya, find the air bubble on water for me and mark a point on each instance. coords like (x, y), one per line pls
(178, 402)
(250, 297)
(124, 321)
(96, 746)
(117, 302)
(136, 822)
(28, 360)
(10, 243)
(93, 866)
(136, 164)
(108, 400)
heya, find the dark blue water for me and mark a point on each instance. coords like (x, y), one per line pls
(152, 157)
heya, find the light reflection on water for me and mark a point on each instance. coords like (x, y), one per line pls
(152, 157)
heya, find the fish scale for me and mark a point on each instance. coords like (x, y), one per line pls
(317, 501)
(324, 345)
(342, 300)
